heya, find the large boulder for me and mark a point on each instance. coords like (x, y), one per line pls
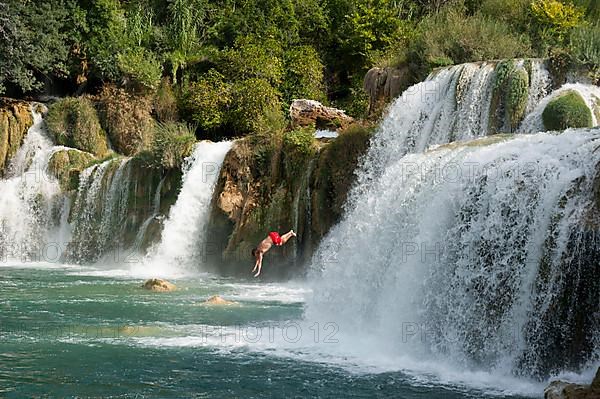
(382, 85)
(159, 285)
(565, 390)
(310, 112)
(15, 120)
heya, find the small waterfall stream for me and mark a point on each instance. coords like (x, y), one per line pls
(31, 201)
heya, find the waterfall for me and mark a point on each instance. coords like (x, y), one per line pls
(463, 253)
(183, 241)
(474, 254)
(31, 201)
(98, 215)
(141, 234)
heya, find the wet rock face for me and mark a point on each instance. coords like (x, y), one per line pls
(382, 85)
(566, 390)
(310, 112)
(15, 120)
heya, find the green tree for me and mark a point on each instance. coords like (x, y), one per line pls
(34, 42)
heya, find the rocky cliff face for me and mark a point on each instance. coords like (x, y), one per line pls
(15, 119)
(277, 184)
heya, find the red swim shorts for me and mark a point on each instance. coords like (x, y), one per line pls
(275, 237)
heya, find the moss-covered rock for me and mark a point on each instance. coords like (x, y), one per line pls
(517, 95)
(568, 110)
(66, 165)
(15, 120)
(73, 122)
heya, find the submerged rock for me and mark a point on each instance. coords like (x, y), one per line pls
(311, 112)
(15, 120)
(566, 390)
(159, 285)
(217, 300)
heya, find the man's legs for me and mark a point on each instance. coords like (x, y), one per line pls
(287, 236)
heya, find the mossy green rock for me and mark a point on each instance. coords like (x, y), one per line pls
(15, 120)
(66, 165)
(568, 110)
(74, 123)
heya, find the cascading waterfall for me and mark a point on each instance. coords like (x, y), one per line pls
(31, 201)
(99, 211)
(183, 240)
(460, 254)
(141, 234)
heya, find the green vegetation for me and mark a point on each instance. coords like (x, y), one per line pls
(227, 68)
(73, 122)
(126, 118)
(66, 165)
(568, 110)
(172, 143)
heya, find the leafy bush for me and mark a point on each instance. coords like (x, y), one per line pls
(206, 101)
(73, 122)
(452, 37)
(165, 102)
(141, 67)
(304, 74)
(254, 100)
(568, 110)
(517, 95)
(172, 143)
(251, 58)
(555, 19)
(127, 119)
(585, 46)
(299, 146)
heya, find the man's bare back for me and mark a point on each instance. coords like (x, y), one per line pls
(265, 245)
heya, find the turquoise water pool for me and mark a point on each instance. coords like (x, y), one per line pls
(78, 332)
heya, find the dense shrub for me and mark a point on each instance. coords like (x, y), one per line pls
(140, 67)
(127, 119)
(172, 143)
(74, 123)
(206, 101)
(450, 37)
(253, 58)
(555, 19)
(165, 102)
(253, 102)
(568, 110)
(303, 75)
(585, 45)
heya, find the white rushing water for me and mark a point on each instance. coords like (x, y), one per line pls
(183, 240)
(453, 261)
(439, 260)
(30, 201)
(98, 219)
